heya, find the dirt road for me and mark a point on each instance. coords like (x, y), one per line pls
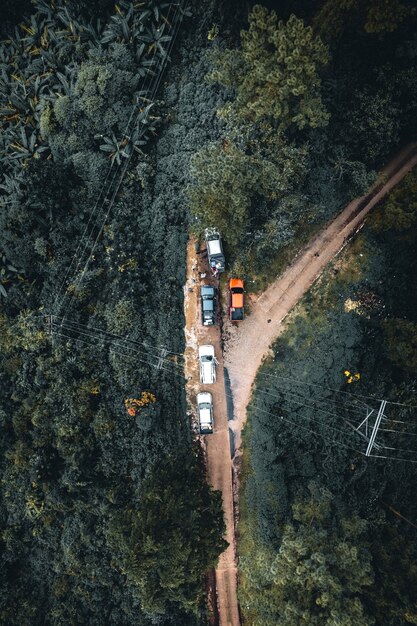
(247, 346)
(216, 445)
(250, 343)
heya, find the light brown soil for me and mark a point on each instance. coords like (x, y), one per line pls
(216, 445)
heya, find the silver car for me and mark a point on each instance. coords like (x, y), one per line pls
(205, 412)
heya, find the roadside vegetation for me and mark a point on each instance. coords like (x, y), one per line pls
(327, 535)
(105, 516)
(105, 513)
(315, 106)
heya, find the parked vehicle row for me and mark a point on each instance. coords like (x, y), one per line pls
(206, 354)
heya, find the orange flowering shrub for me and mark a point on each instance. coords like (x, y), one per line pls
(133, 405)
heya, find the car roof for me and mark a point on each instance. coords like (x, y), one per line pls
(236, 282)
(214, 246)
(206, 350)
(205, 416)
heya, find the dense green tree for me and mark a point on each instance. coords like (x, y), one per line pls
(275, 73)
(72, 458)
(374, 124)
(401, 342)
(229, 179)
(399, 211)
(375, 16)
(318, 573)
(170, 538)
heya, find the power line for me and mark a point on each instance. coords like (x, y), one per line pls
(111, 335)
(92, 343)
(123, 165)
(399, 432)
(307, 429)
(105, 181)
(298, 402)
(93, 337)
(341, 403)
(314, 400)
(391, 458)
(351, 396)
(117, 352)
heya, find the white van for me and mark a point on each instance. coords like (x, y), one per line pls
(205, 412)
(208, 362)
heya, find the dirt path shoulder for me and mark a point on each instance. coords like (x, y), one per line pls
(216, 445)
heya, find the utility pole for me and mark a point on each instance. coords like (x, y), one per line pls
(161, 359)
(375, 428)
(48, 324)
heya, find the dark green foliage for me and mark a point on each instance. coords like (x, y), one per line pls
(401, 342)
(359, 318)
(340, 118)
(166, 543)
(246, 183)
(317, 576)
(400, 209)
(374, 16)
(275, 73)
(73, 462)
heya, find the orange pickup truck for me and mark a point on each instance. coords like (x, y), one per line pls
(236, 304)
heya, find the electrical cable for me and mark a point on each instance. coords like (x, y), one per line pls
(122, 164)
(338, 402)
(94, 338)
(111, 336)
(117, 352)
(307, 406)
(114, 335)
(308, 429)
(356, 396)
(113, 194)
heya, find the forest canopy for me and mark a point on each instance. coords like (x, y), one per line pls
(105, 513)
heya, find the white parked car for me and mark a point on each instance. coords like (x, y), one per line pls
(208, 364)
(205, 412)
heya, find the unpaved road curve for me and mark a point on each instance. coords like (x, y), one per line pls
(250, 343)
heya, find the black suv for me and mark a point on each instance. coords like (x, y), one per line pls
(207, 295)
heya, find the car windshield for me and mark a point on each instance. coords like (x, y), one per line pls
(206, 359)
(237, 290)
(237, 315)
(204, 406)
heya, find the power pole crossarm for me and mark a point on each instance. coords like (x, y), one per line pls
(376, 427)
(161, 359)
